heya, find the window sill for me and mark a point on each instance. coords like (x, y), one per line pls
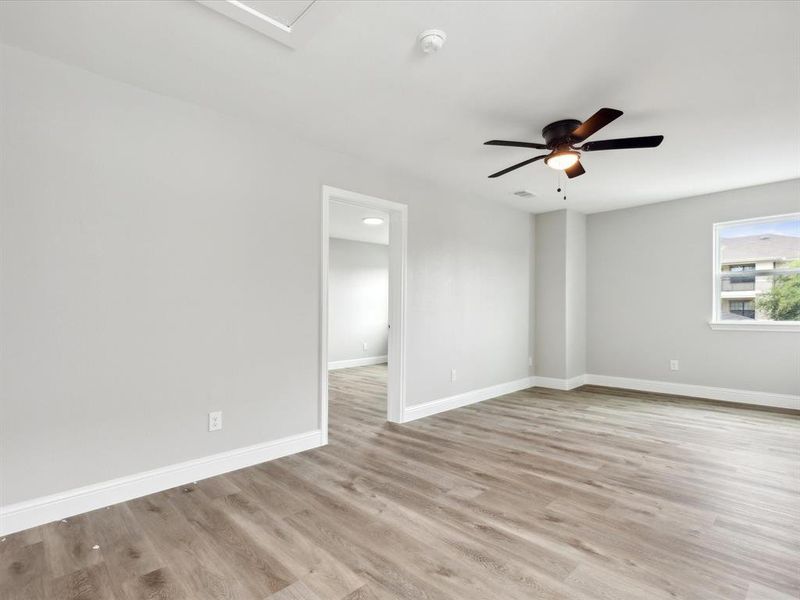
(755, 326)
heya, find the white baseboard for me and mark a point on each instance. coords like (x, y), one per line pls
(433, 407)
(30, 513)
(357, 362)
(554, 383)
(768, 399)
(698, 391)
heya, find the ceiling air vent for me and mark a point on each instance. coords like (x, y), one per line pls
(524, 194)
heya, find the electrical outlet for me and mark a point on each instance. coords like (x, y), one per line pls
(530, 361)
(215, 420)
(452, 374)
(674, 365)
(364, 344)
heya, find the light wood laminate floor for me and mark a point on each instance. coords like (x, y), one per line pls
(593, 494)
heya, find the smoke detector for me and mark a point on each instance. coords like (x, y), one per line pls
(431, 40)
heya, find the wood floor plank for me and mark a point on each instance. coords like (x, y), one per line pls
(466, 553)
(89, 583)
(256, 567)
(159, 584)
(367, 592)
(589, 494)
(319, 570)
(762, 592)
(23, 568)
(203, 571)
(69, 546)
(297, 591)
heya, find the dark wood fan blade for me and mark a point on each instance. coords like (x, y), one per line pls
(518, 165)
(649, 141)
(515, 144)
(595, 123)
(575, 170)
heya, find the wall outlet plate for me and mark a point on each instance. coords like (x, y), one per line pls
(452, 374)
(215, 420)
(674, 365)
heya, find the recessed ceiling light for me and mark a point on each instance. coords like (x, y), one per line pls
(372, 220)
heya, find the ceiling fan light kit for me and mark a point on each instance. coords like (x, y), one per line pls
(563, 137)
(562, 159)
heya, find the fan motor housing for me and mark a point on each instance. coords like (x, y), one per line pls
(558, 133)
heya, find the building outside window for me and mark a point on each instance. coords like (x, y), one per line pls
(743, 280)
(757, 270)
(743, 308)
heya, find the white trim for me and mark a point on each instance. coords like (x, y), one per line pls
(433, 407)
(356, 362)
(259, 15)
(312, 20)
(554, 383)
(398, 278)
(697, 391)
(755, 325)
(766, 219)
(31, 513)
(323, 317)
(398, 258)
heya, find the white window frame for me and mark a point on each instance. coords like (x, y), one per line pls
(716, 322)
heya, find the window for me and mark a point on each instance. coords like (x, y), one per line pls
(744, 279)
(757, 274)
(743, 308)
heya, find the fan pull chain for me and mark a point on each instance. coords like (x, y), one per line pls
(560, 186)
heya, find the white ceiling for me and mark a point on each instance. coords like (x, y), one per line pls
(345, 222)
(719, 79)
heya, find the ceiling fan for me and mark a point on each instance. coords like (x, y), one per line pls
(562, 137)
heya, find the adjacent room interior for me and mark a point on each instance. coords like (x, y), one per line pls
(358, 314)
(321, 300)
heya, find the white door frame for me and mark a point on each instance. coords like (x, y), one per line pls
(398, 221)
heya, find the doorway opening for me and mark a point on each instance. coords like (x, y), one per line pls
(362, 339)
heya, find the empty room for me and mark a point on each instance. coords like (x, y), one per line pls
(399, 300)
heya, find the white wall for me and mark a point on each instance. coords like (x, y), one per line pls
(649, 295)
(161, 260)
(575, 293)
(560, 294)
(550, 307)
(358, 300)
(532, 297)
